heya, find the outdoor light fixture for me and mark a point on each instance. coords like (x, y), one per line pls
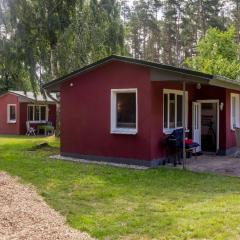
(71, 84)
(221, 106)
(198, 86)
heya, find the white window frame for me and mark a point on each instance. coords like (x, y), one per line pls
(237, 111)
(8, 113)
(176, 92)
(114, 128)
(37, 121)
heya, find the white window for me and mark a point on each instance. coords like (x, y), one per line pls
(124, 111)
(234, 111)
(37, 113)
(11, 113)
(172, 109)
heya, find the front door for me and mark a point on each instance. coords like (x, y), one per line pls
(196, 124)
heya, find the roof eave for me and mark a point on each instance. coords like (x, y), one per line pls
(28, 99)
(54, 85)
(220, 81)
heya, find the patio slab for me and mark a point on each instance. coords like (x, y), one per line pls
(226, 165)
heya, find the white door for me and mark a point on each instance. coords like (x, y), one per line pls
(196, 124)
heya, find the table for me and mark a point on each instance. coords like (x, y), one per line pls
(46, 129)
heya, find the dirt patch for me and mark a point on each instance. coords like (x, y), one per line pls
(25, 215)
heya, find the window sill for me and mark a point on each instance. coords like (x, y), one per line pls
(11, 122)
(38, 121)
(124, 131)
(234, 129)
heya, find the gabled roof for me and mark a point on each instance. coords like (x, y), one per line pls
(53, 85)
(31, 97)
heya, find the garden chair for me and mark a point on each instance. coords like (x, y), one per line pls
(237, 135)
(30, 130)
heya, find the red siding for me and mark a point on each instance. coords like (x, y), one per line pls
(52, 113)
(8, 128)
(23, 117)
(85, 113)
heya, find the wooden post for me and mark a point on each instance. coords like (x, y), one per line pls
(184, 124)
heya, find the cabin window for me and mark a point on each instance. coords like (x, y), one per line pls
(172, 109)
(124, 111)
(11, 113)
(37, 113)
(235, 118)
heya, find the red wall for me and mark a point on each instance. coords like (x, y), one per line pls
(23, 117)
(8, 128)
(85, 113)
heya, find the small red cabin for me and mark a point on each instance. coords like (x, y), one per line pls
(121, 109)
(17, 107)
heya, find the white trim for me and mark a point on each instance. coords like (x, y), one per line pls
(197, 122)
(218, 118)
(8, 113)
(209, 101)
(40, 105)
(176, 92)
(234, 95)
(114, 129)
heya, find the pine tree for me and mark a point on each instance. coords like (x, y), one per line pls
(172, 20)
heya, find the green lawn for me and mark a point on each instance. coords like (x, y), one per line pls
(114, 203)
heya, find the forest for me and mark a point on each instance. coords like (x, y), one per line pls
(41, 40)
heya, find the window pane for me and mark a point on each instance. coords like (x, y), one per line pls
(172, 111)
(165, 110)
(12, 113)
(37, 113)
(179, 110)
(43, 113)
(30, 113)
(126, 110)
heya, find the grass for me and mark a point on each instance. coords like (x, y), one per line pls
(114, 203)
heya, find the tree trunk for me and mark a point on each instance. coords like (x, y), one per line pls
(54, 76)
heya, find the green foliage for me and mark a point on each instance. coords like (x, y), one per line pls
(42, 40)
(217, 53)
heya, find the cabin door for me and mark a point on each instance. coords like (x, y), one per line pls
(196, 123)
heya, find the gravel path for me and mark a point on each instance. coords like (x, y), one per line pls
(25, 215)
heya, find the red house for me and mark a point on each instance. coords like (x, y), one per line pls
(121, 109)
(17, 107)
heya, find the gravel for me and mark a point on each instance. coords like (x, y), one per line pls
(25, 215)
